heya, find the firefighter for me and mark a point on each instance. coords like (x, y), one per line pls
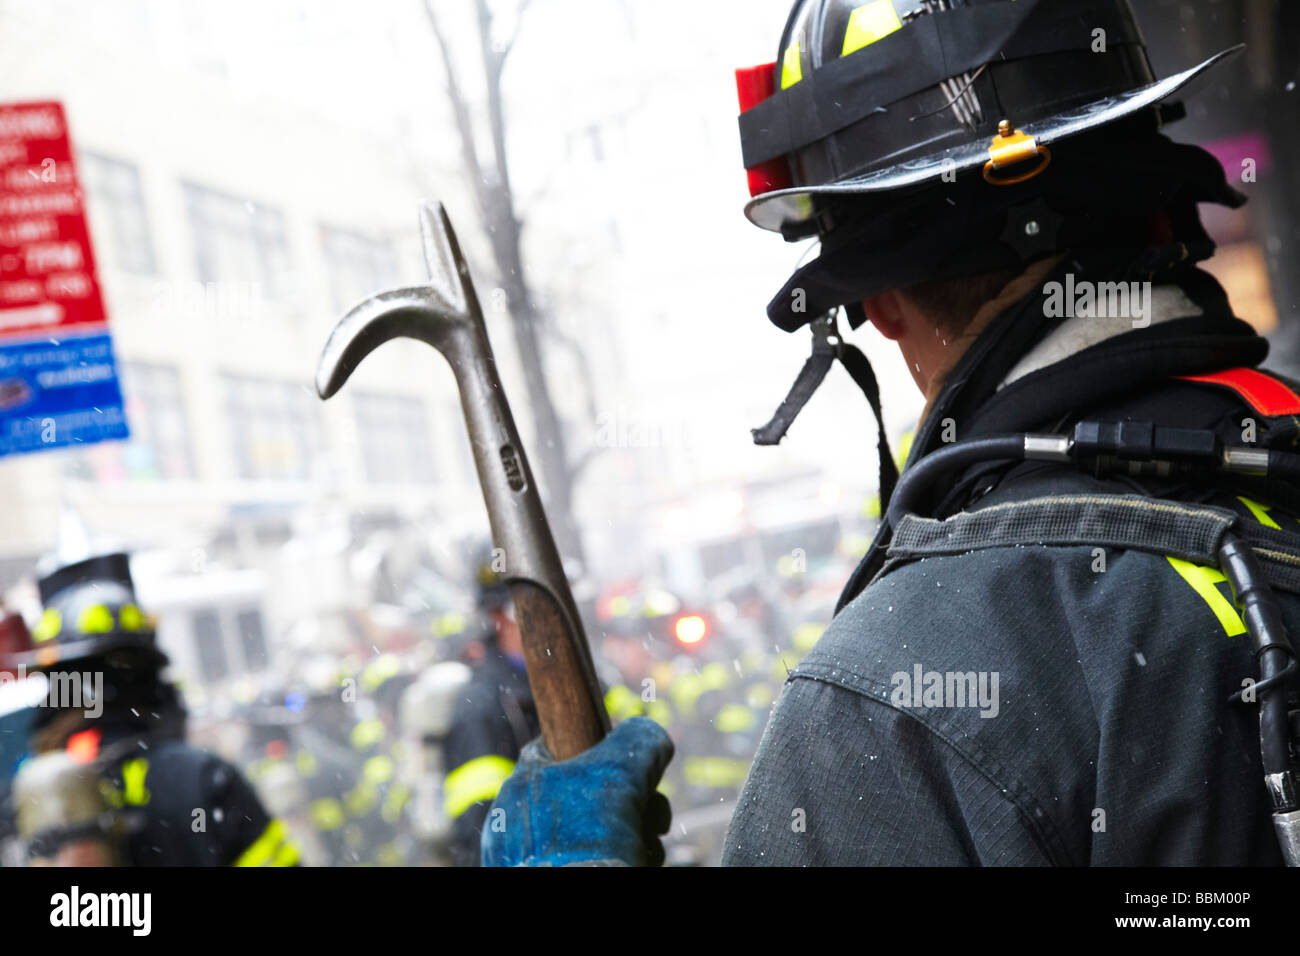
(425, 711)
(330, 767)
(376, 803)
(1032, 665)
(108, 707)
(494, 718)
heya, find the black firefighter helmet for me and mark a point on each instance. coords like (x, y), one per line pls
(90, 611)
(872, 105)
(491, 592)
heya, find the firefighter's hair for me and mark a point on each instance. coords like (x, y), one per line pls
(952, 303)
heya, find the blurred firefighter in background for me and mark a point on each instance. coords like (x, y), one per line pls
(494, 718)
(108, 764)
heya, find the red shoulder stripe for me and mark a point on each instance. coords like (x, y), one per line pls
(1263, 392)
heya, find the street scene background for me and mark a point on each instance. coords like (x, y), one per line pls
(252, 170)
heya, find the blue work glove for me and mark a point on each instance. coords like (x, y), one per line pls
(600, 807)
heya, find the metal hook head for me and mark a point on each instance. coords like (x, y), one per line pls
(432, 313)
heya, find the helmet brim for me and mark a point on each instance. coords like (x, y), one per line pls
(783, 208)
(54, 654)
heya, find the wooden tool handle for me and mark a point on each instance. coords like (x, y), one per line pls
(569, 705)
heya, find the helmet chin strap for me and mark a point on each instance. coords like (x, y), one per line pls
(827, 347)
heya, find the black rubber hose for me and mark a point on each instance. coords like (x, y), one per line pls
(1263, 620)
(1284, 465)
(923, 476)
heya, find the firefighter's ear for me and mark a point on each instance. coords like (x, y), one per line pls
(885, 311)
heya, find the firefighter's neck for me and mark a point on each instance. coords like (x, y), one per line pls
(926, 347)
(930, 351)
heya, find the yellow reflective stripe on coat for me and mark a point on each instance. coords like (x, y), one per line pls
(715, 771)
(735, 719)
(326, 814)
(272, 848)
(621, 703)
(660, 713)
(1203, 581)
(394, 803)
(305, 761)
(807, 635)
(474, 781)
(361, 799)
(133, 789)
(1260, 512)
(367, 733)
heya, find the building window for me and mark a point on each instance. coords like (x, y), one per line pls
(393, 433)
(116, 201)
(275, 427)
(252, 639)
(229, 642)
(358, 266)
(155, 410)
(159, 446)
(236, 240)
(210, 645)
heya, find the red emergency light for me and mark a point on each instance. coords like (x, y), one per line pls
(690, 629)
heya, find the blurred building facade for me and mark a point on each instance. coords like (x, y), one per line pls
(232, 227)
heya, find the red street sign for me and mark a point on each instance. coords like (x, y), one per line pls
(58, 378)
(47, 269)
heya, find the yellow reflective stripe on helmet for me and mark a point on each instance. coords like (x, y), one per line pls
(130, 618)
(735, 719)
(869, 23)
(272, 848)
(133, 789)
(49, 626)
(326, 814)
(96, 619)
(1203, 581)
(1260, 512)
(791, 65)
(474, 781)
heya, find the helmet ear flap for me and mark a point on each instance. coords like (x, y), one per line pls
(856, 314)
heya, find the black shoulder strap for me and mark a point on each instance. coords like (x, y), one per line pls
(1130, 522)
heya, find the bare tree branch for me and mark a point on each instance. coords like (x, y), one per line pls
(460, 109)
(492, 186)
(514, 34)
